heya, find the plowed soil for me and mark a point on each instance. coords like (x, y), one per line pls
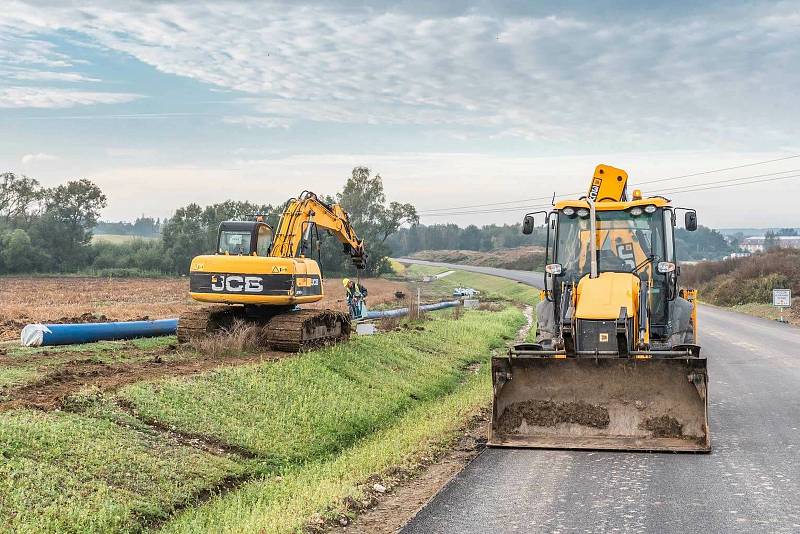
(26, 300)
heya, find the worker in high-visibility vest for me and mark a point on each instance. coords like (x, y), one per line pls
(356, 295)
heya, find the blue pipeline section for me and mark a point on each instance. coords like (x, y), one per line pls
(399, 312)
(34, 335)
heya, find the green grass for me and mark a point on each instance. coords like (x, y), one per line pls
(64, 472)
(765, 311)
(42, 360)
(17, 376)
(306, 408)
(277, 505)
(119, 348)
(324, 421)
(491, 287)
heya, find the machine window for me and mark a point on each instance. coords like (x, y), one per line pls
(623, 241)
(234, 242)
(264, 240)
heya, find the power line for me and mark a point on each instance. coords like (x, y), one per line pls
(722, 170)
(735, 184)
(678, 188)
(719, 184)
(658, 180)
(497, 210)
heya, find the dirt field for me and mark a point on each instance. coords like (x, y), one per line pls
(25, 300)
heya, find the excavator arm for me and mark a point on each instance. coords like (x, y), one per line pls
(298, 220)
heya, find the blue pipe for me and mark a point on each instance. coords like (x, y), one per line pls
(399, 312)
(37, 335)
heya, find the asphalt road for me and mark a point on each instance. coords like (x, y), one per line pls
(749, 483)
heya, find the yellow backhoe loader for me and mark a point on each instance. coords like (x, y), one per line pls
(615, 363)
(260, 276)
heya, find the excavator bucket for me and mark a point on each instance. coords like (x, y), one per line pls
(654, 404)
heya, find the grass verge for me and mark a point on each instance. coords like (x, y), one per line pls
(768, 311)
(491, 287)
(62, 472)
(323, 489)
(303, 409)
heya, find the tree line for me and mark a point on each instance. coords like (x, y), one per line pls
(452, 237)
(704, 243)
(141, 227)
(50, 229)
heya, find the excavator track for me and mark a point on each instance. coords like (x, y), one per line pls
(290, 331)
(305, 329)
(202, 322)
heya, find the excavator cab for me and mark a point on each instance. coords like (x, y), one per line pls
(244, 238)
(615, 362)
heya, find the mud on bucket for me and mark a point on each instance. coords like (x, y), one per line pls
(612, 403)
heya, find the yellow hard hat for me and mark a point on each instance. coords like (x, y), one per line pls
(345, 282)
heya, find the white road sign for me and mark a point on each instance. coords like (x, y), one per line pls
(782, 298)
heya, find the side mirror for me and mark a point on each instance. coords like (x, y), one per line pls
(554, 269)
(527, 225)
(691, 221)
(665, 267)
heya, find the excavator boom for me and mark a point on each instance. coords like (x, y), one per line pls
(297, 222)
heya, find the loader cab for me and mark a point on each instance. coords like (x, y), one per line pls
(633, 240)
(244, 238)
(634, 237)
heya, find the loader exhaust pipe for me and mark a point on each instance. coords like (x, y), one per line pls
(592, 239)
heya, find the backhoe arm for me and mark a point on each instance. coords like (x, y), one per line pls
(298, 220)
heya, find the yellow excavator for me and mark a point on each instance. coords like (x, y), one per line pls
(260, 276)
(615, 363)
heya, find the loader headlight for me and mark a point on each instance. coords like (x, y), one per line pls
(569, 212)
(583, 212)
(636, 211)
(665, 267)
(650, 208)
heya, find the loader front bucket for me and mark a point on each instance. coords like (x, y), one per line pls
(600, 403)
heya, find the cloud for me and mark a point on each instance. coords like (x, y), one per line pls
(258, 121)
(47, 76)
(657, 81)
(52, 97)
(27, 159)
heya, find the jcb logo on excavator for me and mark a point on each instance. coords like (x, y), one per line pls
(595, 189)
(237, 284)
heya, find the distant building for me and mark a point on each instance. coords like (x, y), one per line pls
(756, 243)
(734, 255)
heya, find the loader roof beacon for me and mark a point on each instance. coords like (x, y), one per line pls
(615, 364)
(259, 276)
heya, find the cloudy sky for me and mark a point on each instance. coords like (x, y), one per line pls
(459, 104)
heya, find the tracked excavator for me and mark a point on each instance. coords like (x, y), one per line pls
(260, 276)
(615, 363)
